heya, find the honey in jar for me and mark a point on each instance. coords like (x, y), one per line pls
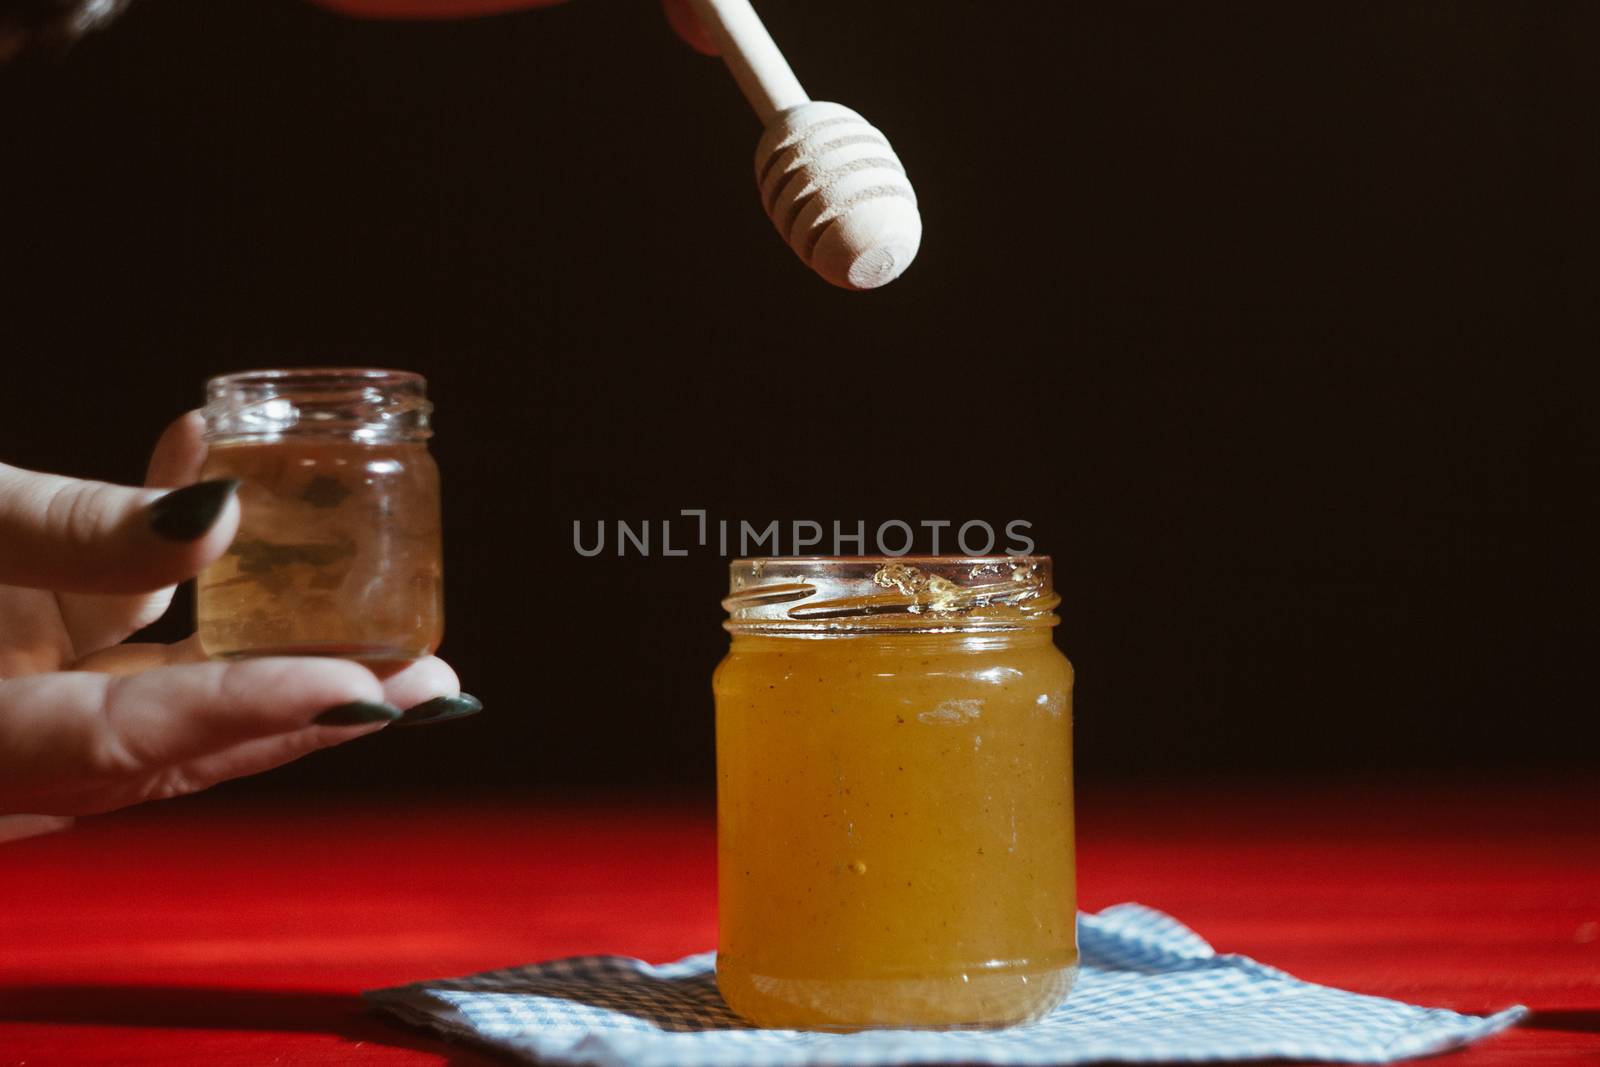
(894, 761)
(338, 549)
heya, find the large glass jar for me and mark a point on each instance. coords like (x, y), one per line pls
(894, 776)
(337, 552)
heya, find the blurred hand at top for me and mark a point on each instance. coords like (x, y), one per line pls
(48, 26)
(679, 14)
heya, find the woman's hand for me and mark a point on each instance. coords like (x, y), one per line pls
(88, 724)
(52, 25)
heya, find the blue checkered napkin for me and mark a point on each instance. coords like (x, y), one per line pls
(1150, 990)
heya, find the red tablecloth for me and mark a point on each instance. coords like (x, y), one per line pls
(214, 933)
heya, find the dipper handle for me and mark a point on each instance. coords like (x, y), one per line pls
(754, 60)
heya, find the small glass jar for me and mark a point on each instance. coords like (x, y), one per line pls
(894, 801)
(338, 549)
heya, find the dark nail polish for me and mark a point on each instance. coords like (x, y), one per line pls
(356, 714)
(440, 709)
(186, 514)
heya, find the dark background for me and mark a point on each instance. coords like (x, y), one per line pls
(1274, 320)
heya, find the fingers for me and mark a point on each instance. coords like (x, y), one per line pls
(178, 454)
(171, 714)
(420, 680)
(74, 743)
(427, 689)
(75, 536)
(161, 724)
(138, 658)
(254, 757)
(686, 24)
(430, 693)
(96, 621)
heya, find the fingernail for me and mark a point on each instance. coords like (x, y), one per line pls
(186, 514)
(357, 713)
(441, 708)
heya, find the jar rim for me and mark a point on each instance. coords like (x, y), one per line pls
(308, 375)
(839, 595)
(366, 404)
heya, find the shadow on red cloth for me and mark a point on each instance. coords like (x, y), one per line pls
(187, 1008)
(1577, 1022)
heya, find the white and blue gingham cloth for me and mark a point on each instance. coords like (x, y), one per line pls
(1149, 990)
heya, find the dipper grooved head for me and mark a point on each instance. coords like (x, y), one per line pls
(838, 194)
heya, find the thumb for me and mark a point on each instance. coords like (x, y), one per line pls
(97, 620)
(73, 536)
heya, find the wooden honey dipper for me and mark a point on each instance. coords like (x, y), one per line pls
(829, 181)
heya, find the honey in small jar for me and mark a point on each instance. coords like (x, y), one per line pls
(895, 827)
(338, 549)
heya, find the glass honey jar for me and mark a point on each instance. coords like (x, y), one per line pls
(338, 549)
(894, 794)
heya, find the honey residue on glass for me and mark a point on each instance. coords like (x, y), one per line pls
(337, 553)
